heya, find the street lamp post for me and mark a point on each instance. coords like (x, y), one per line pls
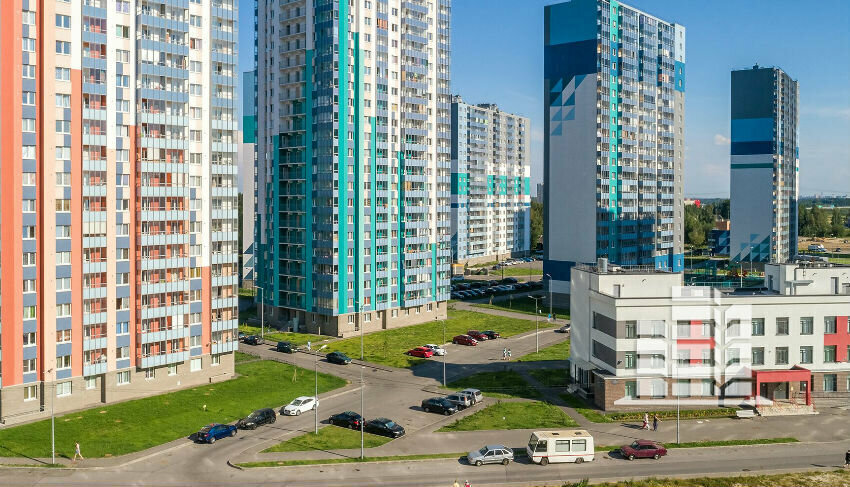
(678, 396)
(550, 296)
(317, 386)
(536, 321)
(444, 352)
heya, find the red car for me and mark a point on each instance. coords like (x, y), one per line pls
(421, 352)
(643, 449)
(477, 335)
(464, 340)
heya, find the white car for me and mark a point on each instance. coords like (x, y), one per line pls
(438, 350)
(300, 405)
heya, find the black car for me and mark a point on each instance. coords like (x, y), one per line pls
(257, 418)
(348, 419)
(384, 427)
(253, 340)
(491, 335)
(338, 358)
(439, 405)
(285, 347)
(509, 280)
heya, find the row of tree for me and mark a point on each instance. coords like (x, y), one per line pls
(699, 220)
(818, 222)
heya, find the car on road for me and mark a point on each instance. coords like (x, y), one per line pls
(384, 427)
(490, 454)
(347, 419)
(257, 419)
(563, 329)
(241, 336)
(253, 340)
(476, 394)
(338, 358)
(439, 405)
(477, 335)
(216, 431)
(300, 405)
(643, 449)
(509, 280)
(462, 401)
(286, 347)
(421, 352)
(465, 340)
(491, 335)
(438, 350)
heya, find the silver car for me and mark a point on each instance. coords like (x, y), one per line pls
(490, 454)
(462, 401)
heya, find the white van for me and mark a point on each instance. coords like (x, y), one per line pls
(564, 446)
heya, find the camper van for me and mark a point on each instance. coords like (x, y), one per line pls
(564, 446)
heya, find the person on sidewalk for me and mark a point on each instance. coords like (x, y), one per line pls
(847, 459)
(509, 354)
(466, 484)
(655, 422)
(456, 484)
(505, 354)
(77, 452)
(645, 421)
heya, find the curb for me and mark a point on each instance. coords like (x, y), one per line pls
(233, 465)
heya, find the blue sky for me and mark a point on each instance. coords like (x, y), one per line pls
(497, 57)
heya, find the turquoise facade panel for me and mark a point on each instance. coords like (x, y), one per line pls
(752, 129)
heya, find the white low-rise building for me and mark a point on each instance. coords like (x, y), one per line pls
(640, 337)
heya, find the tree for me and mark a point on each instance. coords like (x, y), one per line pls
(536, 223)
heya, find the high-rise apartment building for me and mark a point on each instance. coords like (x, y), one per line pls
(247, 179)
(613, 138)
(354, 162)
(118, 211)
(491, 206)
(764, 166)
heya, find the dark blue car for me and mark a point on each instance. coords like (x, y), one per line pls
(216, 431)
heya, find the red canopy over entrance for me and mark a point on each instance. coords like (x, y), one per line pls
(795, 374)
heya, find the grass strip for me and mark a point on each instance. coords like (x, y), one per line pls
(558, 351)
(714, 443)
(596, 416)
(329, 461)
(523, 304)
(272, 337)
(831, 478)
(513, 416)
(329, 438)
(501, 385)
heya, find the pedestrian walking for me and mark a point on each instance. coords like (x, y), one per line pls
(466, 484)
(456, 484)
(645, 421)
(505, 354)
(509, 354)
(655, 422)
(847, 459)
(77, 452)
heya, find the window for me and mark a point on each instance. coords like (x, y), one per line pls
(122, 56)
(807, 325)
(805, 355)
(63, 362)
(196, 113)
(195, 365)
(63, 21)
(28, 97)
(63, 205)
(28, 44)
(196, 89)
(28, 258)
(28, 125)
(63, 47)
(122, 353)
(29, 365)
(122, 31)
(781, 326)
(28, 178)
(781, 355)
(63, 336)
(62, 100)
(195, 341)
(758, 326)
(63, 74)
(195, 66)
(758, 355)
(28, 71)
(122, 328)
(28, 152)
(122, 80)
(829, 324)
(562, 445)
(63, 231)
(631, 389)
(830, 383)
(91, 383)
(707, 387)
(630, 360)
(28, 206)
(28, 231)
(215, 360)
(682, 388)
(122, 6)
(29, 286)
(195, 21)
(150, 373)
(829, 354)
(30, 393)
(28, 17)
(29, 312)
(63, 283)
(631, 329)
(63, 258)
(123, 377)
(172, 369)
(29, 338)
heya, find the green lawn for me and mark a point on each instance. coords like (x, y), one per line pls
(597, 416)
(555, 379)
(329, 438)
(558, 351)
(388, 347)
(241, 357)
(708, 444)
(273, 336)
(525, 305)
(518, 271)
(505, 384)
(136, 425)
(513, 416)
(394, 458)
(819, 478)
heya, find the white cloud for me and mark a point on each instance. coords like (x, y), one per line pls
(721, 140)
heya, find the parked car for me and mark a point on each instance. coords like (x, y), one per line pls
(491, 335)
(300, 405)
(338, 358)
(462, 401)
(347, 419)
(465, 340)
(216, 431)
(286, 347)
(439, 405)
(384, 427)
(643, 449)
(490, 454)
(563, 329)
(477, 335)
(455, 295)
(509, 280)
(253, 340)
(421, 352)
(242, 335)
(257, 419)
(817, 248)
(438, 350)
(476, 395)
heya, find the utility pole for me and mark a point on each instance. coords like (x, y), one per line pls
(317, 386)
(362, 385)
(550, 296)
(536, 320)
(444, 352)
